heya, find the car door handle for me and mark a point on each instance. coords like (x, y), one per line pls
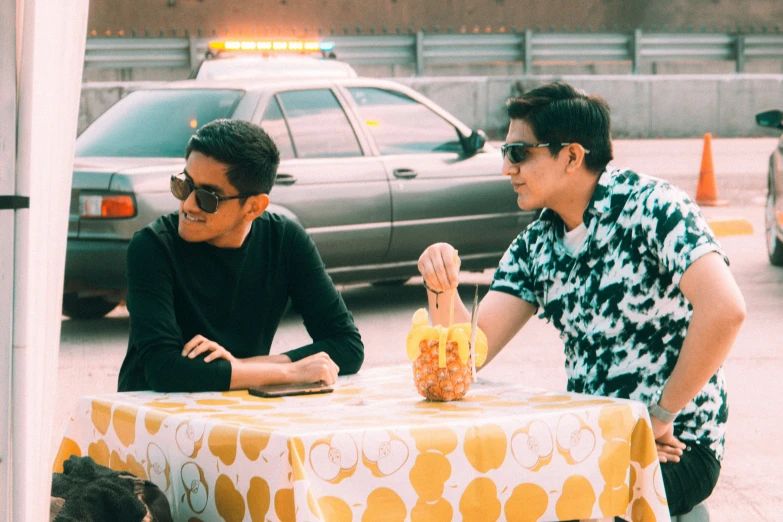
(404, 173)
(285, 179)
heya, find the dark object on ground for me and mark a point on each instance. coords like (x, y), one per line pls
(89, 492)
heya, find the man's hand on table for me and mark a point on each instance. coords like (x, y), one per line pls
(200, 344)
(315, 368)
(318, 367)
(669, 447)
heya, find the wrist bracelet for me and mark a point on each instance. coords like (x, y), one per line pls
(437, 294)
(662, 414)
(659, 412)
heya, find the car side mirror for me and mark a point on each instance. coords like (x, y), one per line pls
(772, 119)
(473, 143)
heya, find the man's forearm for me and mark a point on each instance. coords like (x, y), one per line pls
(246, 373)
(346, 350)
(280, 358)
(711, 335)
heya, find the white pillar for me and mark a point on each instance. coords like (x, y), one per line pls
(50, 74)
(7, 187)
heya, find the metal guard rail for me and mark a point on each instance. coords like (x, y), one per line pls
(419, 49)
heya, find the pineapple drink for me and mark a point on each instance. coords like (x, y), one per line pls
(441, 357)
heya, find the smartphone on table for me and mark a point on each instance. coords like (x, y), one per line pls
(286, 390)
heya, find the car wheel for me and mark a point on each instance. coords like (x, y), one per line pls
(92, 307)
(390, 282)
(774, 246)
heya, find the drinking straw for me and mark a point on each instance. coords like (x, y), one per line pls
(453, 295)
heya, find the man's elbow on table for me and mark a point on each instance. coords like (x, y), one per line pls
(187, 377)
(354, 363)
(168, 386)
(353, 366)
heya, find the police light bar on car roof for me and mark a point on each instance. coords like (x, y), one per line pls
(270, 45)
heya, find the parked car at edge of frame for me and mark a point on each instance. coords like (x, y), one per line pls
(373, 170)
(773, 215)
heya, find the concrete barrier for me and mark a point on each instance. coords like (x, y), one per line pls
(653, 106)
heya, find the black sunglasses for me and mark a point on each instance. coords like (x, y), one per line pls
(206, 200)
(517, 152)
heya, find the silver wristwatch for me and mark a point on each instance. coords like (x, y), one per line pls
(662, 414)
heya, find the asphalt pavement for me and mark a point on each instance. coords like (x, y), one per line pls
(751, 482)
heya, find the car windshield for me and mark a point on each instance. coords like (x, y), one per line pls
(282, 67)
(155, 123)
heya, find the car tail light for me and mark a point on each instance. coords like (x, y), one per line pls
(106, 206)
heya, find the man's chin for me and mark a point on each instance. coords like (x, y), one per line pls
(526, 204)
(188, 236)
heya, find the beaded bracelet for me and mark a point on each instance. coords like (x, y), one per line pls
(437, 294)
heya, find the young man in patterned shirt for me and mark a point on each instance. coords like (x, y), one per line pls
(628, 271)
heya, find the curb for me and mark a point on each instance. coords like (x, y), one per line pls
(730, 227)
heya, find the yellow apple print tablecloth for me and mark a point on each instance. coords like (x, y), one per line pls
(374, 450)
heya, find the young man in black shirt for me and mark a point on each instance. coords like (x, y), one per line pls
(208, 285)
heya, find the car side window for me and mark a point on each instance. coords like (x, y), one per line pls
(319, 126)
(274, 124)
(401, 125)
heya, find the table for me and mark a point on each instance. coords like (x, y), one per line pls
(375, 450)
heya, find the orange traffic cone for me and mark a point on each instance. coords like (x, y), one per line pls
(706, 190)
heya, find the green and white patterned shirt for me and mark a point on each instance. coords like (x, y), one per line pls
(617, 302)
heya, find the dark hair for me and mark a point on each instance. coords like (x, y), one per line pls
(559, 113)
(251, 155)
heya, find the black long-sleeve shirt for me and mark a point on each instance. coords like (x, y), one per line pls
(235, 297)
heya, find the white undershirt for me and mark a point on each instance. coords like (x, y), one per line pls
(573, 240)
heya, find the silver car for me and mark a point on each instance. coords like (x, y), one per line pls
(773, 217)
(373, 170)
